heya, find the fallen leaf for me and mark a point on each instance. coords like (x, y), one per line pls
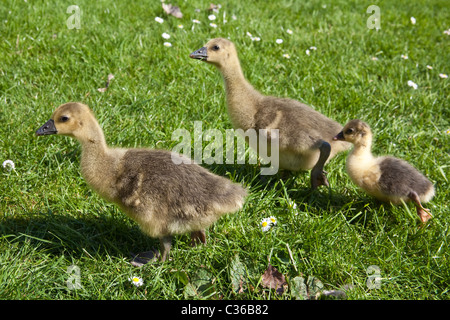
(144, 257)
(237, 275)
(336, 294)
(173, 10)
(298, 288)
(214, 7)
(110, 77)
(315, 286)
(201, 285)
(273, 279)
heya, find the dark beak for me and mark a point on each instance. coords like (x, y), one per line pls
(47, 128)
(339, 136)
(200, 54)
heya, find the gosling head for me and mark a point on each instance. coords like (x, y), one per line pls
(356, 132)
(217, 51)
(68, 119)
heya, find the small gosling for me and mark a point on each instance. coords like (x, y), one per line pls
(305, 135)
(165, 198)
(385, 178)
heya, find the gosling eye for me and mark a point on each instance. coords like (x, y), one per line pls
(349, 131)
(216, 47)
(64, 119)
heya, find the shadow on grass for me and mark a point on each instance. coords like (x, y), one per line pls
(76, 236)
(365, 211)
(286, 183)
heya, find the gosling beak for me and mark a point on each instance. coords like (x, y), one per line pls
(47, 128)
(200, 54)
(339, 136)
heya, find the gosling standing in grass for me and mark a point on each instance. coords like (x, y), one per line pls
(163, 197)
(385, 178)
(305, 135)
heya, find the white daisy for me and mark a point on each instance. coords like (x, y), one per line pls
(196, 21)
(265, 224)
(412, 84)
(136, 281)
(8, 164)
(404, 56)
(307, 52)
(166, 35)
(212, 17)
(180, 26)
(429, 67)
(443, 75)
(289, 31)
(279, 41)
(313, 48)
(447, 32)
(273, 220)
(413, 20)
(158, 19)
(213, 25)
(287, 56)
(167, 44)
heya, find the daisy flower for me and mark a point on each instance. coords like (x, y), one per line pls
(447, 32)
(412, 84)
(167, 44)
(448, 131)
(136, 281)
(166, 35)
(265, 224)
(313, 48)
(374, 58)
(287, 56)
(307, 52)
(213, 25)
(289, 31)
(429, 67)
(404, 56)
(443, 75)
(212, 17)
(196, 21)
(8, 164)
(180, 26)
(279, 41)
(413, 20)
(273, 220)
(292, 205)
(158, 19)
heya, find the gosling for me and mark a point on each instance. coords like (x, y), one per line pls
(386, 178)
(164, 192)
(305, 135)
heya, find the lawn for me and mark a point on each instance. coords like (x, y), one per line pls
(52, 223)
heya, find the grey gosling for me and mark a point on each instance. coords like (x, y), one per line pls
(386, 178)
(305, 135)
(163, 197)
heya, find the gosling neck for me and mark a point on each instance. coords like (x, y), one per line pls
(94, 151)
(362, 148)
(236, 85)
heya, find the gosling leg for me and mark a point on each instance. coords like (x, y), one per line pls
(424, 214)
(166, 243)
(198, 237)
(318, 176)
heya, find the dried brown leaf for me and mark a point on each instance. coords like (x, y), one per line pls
(172, 10)
(273, 279)
(110, 77)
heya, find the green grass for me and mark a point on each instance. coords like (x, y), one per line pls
(50, 219)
